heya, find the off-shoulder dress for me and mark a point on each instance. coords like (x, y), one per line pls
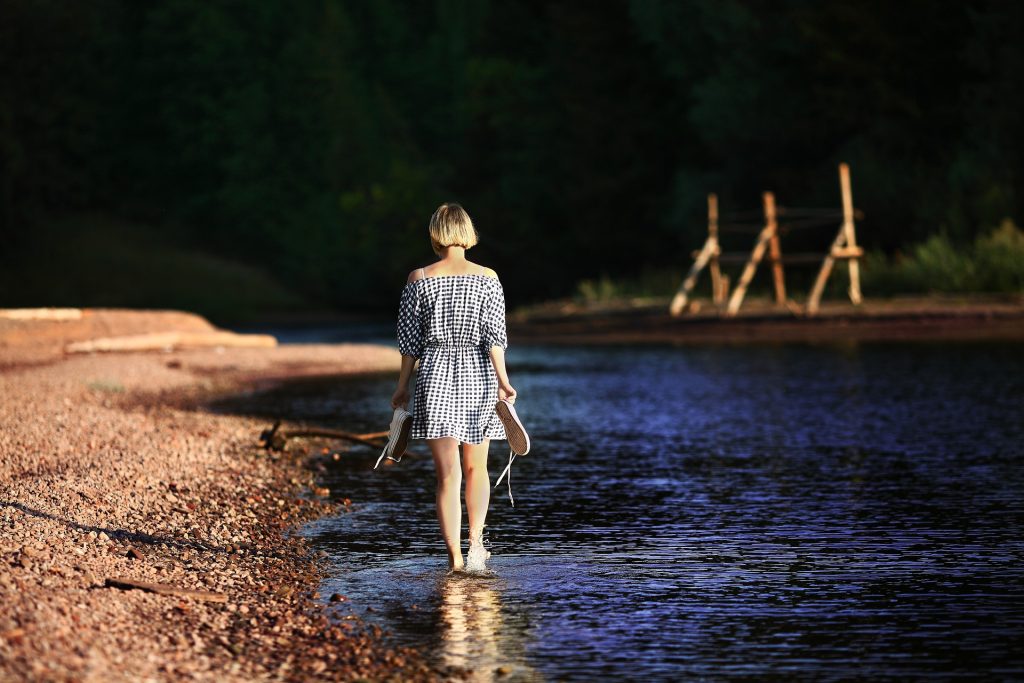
(449, 323)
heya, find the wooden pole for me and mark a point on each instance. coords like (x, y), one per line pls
(849, 232)
(844, 246)
(774, 248)
(708, 252)
(826, 269)
(736, 300)
(716, 272)
(679, 300)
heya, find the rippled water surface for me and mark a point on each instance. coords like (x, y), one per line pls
(815, 512)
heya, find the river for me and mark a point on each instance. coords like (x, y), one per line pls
(817, 512)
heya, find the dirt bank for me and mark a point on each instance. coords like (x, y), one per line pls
(105, 475)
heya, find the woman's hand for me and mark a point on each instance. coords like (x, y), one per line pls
(400, 397)
(506, 392)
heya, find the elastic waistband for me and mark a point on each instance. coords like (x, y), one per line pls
(451, 345)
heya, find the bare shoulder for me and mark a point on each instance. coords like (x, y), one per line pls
(490, 272)
(415, 275)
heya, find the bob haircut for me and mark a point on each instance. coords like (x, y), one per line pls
(451, 226)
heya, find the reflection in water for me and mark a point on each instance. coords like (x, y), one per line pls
(469, 628)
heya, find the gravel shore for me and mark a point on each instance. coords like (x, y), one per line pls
(109, 473)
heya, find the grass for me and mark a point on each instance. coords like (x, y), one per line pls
(100, 262)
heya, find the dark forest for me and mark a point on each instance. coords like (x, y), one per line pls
(311, 141)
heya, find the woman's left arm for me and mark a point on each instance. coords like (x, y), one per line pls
(401, 395)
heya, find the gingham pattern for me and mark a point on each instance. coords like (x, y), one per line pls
(450, 323)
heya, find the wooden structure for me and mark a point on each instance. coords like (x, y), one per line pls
(709, 253)
(844, 246)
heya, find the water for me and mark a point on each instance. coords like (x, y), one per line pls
(816, 512)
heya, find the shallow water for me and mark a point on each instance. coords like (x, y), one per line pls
(809, 511)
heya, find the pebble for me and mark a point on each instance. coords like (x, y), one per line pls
(177, 484)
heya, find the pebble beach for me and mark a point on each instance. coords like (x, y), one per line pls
(145, 538)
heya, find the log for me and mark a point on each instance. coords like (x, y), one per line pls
(165, 589)
(155, 341)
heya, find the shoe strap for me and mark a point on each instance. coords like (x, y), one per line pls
(508, 471)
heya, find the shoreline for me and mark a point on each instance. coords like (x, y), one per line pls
(110, 470)
(763, 322)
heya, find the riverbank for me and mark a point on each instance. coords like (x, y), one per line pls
(646, 321)
(110, 474)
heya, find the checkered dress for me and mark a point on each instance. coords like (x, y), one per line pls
(449, 323)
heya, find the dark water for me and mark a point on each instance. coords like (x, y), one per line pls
(716, 513)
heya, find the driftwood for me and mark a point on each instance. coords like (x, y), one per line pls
(165, 589)
(275, 438)
(41, 313)
(156, 341)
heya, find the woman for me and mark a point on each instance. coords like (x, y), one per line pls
(452, 318)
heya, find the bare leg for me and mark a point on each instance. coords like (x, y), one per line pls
(478, 489)
(449, 507)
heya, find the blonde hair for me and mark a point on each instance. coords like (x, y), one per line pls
(451, 226)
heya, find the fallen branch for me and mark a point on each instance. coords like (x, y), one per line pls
(275, 438)
(165, 589)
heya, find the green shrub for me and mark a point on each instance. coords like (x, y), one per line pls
(994, 263)
(999, 259)
(937, 265)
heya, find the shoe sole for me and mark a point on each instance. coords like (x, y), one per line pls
(516, 434)
(402, 441)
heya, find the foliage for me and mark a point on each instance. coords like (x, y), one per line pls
(313, 140)
(993, 263)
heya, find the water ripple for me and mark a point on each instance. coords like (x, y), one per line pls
(814, 512)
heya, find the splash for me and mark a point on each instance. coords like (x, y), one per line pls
(476, 558)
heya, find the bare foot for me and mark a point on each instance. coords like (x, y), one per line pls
(455, 563)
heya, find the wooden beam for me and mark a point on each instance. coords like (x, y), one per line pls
(774, 248)
(716, 270)
(826, 269)
(736, 300)
(679, 300)
(849, 232)
(848, 253)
